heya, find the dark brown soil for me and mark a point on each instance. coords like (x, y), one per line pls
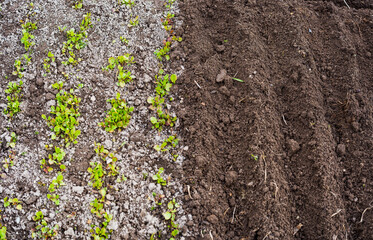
(288, 153)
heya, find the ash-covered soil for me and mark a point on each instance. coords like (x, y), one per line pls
(132, 193)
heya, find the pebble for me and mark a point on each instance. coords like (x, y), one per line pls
(213, 219)
(93, 98)
(78, 189)
(224, 90)
(341, 149)
(147, 78)
(49, 96)
(40, 82)
(70, 232)
(293, 146)
(108, 144)
(231, 177)
(221, 76)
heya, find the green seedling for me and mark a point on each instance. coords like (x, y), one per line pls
(164, 82)
(158, 178)
(97, 208)
(66, 113)
(119, 115)
(76, 40)
(102, 233)
(77, 4)
(168, 3)
(124, 40)
(42, 230)
(97, 172)
(167, 22)
(128, 3)
(123, 76)
(9, 161)
(237, 79)
(47, 61)
(108, 157)
(3, 232)
(55, 158)
(13, 140)
(134, 21)
(171, 216)
(167, 144)
(19, 68)
(27, 27)
(163, 52)
(12, 201)
(14, 96)
(56, 183)
(255, 157)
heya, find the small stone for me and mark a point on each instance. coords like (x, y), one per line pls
(152, 186)
(93, 98)
(33, 88)
(368, 54)
(147, 78)
(70, 232)
(221, 76)
(323, 77)
(293, 146)
(220, 48)
(341, 149)
(224, 90)
(49, 96)
(137, 102)
(30, 200)
(40, 82)
(231, 177)
(110, 197)
(108, 144)
(78, 189)
(213, 219)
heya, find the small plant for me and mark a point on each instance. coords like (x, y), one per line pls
(164, 83)
(124, 40)
(42, 230)
(13, 98)
(168, 3)
(163, 52)
(9, 161)
(12, 201)
(171, 141)
(76, 39)
(19, 68)
(134, 21)
(102, 233)
(56, 183)
(171, 216)
(77, 4)
(97, 208)
(128, 3)
(97, 172)
(27, 27)
(47, 61)
(66, 113)
(2, 232)
(158, 178)
(13, 140)
(119, 115)
(167, 22)
(123, 76)
(108, 157)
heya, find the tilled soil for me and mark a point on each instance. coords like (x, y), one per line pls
(287, 153)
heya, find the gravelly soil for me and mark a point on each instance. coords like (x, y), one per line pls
(130, 201)
(286, 154)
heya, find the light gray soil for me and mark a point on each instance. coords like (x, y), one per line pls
(130, 201)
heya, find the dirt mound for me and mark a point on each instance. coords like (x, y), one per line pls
(285, 154)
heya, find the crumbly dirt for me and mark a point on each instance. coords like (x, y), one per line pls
(286, 154)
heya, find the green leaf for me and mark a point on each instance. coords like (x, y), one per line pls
(167, 215)
(157, 148)
(153, 120)
(173, 78)
(237, 79)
